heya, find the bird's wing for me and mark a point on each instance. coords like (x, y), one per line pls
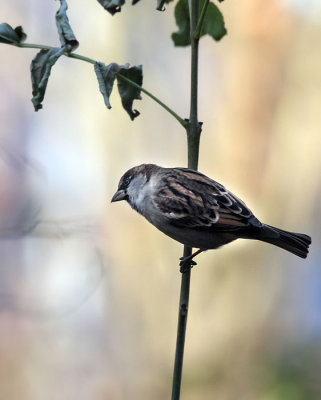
(192, 200)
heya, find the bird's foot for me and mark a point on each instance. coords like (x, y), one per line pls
(186, 263)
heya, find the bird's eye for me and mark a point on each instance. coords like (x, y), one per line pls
(127, 180)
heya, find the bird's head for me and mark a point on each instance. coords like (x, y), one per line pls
(132, 184)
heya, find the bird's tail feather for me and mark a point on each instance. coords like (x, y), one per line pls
(296, 243)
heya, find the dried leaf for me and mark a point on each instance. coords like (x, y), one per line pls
(129, 93)
(66, 35)
(40, 71)
(160, 4)
(106, 76)
(11, 36)
(112, 6)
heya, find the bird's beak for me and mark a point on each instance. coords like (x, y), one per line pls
(119, 195)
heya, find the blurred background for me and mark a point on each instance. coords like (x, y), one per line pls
(89, 290)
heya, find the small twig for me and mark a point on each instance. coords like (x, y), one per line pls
(173, 113)
(91, 61)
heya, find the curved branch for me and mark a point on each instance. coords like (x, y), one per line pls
(92, 61)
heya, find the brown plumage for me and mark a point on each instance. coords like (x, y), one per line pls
(197, 211)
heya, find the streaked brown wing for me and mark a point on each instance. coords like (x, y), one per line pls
(192, 200)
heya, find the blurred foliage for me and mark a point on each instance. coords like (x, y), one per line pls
(295, 374)
(255, 320)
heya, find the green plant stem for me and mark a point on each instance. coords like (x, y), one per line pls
(193, 131)
(198, 29)
(129, 81)
(181, 330)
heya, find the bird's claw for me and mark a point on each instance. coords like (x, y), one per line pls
(186, 263)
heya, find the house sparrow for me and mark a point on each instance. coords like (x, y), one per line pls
(197, 211)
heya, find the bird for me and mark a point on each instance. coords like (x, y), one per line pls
(197, 211)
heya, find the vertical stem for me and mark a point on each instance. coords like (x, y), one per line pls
(193, 131)
(181, 329)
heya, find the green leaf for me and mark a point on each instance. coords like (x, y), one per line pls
(112, 6)
(66, 35)
(182, 37)
(213, 23)
(106, 76)
(11, 36)
(160, 4)
(129, 93)
(40, 71)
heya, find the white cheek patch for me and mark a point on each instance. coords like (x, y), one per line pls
(140, 198)
(137, 191)
(152, 184)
